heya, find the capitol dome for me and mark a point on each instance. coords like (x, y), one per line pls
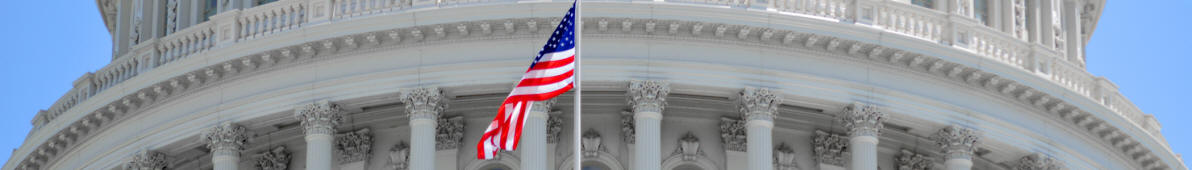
(667, 84)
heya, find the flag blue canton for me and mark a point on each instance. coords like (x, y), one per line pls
(562, 39)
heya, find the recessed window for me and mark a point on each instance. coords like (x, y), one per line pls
(210, 7)
(263, 2)
(923, 3)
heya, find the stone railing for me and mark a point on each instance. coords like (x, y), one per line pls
(353, 8)
(270, 19)
(999, 46)
(911, 20)
(197, 38)
(835, 9)
(234, 26)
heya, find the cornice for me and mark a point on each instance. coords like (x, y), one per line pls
(218, 71)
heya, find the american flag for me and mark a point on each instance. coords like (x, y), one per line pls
(551, 74)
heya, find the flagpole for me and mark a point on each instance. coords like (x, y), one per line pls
(579, 27)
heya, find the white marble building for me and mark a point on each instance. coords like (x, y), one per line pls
(668, 84)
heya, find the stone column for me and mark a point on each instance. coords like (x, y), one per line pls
(758, 106)
(958, 144)
(318, 123)
(647, 99)
(423, 105)
(864, 125)
(1038, 161)
(225, 141)
(147, 160)
(533, 141)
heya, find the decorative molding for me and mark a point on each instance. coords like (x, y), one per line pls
(148, 160)
(907, 160)
(758, 104)
(399, 156)
(784, 158)
(628, 128)
(226, 139)
(591, 144)
(450, 133)
(319, 117)
(1038, 161)
(957, 142)
(276, 159)
(354, 146)
(732, 134)
(648, 95)
(186, 81)
(554, 127)
(862, 119)
(424, 103)
(689, 147)
(829, 148)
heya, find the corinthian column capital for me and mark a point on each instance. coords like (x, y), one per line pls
(319, 117)
(648, 95)
(957, 142)
(147, 160)
(758, 104)
(226, 138)
(862, 119)
(1038, 161)
(424, 103)
(543, 107)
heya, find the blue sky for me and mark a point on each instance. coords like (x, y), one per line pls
(1143, 47)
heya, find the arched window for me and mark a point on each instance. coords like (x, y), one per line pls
(496, 166)
(688, 167)
(594, 165)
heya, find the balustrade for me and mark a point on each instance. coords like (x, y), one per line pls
(999, 46)
(912, 20)
(270, 19)
(352, 8)
(835, 9)
(184, 43)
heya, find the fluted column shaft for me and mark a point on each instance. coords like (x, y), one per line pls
(648, 127)
(533, 141)
(422, 142)
(760, 144)
(318, 122)
(225, 141)
(647, 99)
(423, 105)
(864, 124)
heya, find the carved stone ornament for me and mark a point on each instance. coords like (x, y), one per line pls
(544, 106)
(908, 160)
(758, 104)
(147, 160)
(648, 95)
(450, 133)
(862, 119)
(784, 158)
(732, 134)
(171, 16)
(591, 143)
(424, 103)
(554, 128)
(226, 138)
(354, 146)
(319, 117)
(1038, 161)
(689, 147)
(276, 159)
(134, 37)
(957, 142)
(628, 130)
(831, 149)
(399, 156)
